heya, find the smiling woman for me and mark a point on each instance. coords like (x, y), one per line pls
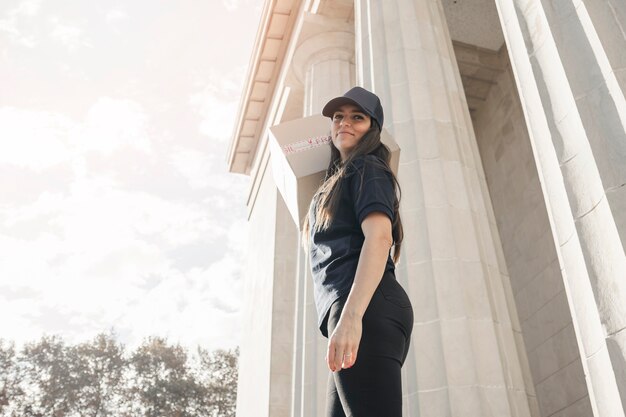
(352, 226)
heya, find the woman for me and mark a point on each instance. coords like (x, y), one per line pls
(353, 224)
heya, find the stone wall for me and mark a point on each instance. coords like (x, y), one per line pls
(529, 250)
(253, 391)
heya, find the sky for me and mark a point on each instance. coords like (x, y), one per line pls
(117, 212)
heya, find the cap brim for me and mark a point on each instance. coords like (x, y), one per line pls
(333, 104)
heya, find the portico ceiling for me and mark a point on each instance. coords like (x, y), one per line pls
(474, 22)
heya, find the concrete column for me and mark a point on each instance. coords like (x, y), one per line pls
(283, 304)
(265, 366)
(464, 358)
(595, 87)
(602, 111)
(324, 64)
(609, 20)
(589, 247)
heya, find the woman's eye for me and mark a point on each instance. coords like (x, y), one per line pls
(358, 117)
(337, 117)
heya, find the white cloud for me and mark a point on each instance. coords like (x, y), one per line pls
(118, 218)
(101, 254)
(29, 7)
(13, 22)
(112, 124)
(69, 36)
(116, 15)
(218, 115)
(216, 104)
(195, 166)
(34, 139)
(199, 307)
(96, 219)
(238, 236)
(38, 139)
(25, 26)
(231, 5)
(16, 326)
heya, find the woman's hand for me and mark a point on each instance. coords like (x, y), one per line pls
(343, 343)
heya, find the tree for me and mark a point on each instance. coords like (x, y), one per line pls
(219, 373)
(160, 382)
(98, 378)
(10, 379)
(97, 368)
(48, 380)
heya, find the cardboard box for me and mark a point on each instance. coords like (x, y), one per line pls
(300, 154)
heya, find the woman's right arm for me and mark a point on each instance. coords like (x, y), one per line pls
(343, 344)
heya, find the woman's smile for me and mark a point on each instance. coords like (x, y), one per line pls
(349, 124)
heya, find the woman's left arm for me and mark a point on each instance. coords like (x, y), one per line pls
(343, 344)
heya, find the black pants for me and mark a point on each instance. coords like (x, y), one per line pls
(373, 386)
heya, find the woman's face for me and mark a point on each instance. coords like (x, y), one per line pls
(348, 127)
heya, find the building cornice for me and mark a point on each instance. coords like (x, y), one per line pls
(273, 37)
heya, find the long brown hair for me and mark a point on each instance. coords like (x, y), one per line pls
(327, 196)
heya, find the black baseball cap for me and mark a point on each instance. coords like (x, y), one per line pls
(368, 101)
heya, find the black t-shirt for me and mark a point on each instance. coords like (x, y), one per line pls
(334, 252)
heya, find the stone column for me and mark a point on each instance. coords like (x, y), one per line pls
(601, 107)
(594, 84)
(592, 257)
(467, 354)
(324, 64)
(609, 20)
(591, 39)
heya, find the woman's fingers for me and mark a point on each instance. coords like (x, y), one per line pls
(338, 357)
(335, 354)
(330, 354)
(349, 359)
